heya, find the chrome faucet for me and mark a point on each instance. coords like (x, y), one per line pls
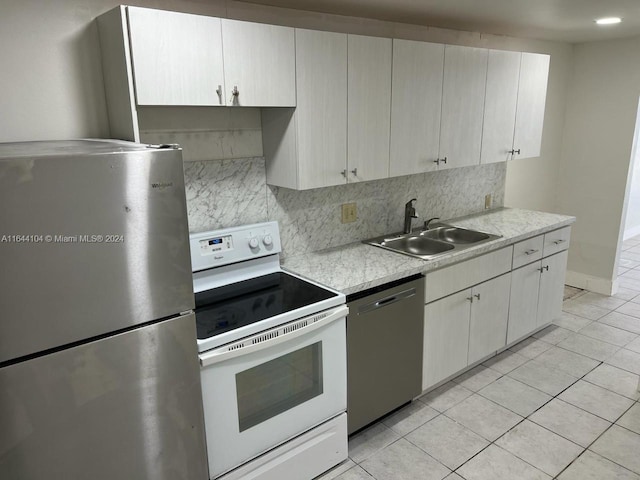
(409, 213)
(426, 224)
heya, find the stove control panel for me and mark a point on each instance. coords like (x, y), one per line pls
(210, 246)
(233, 245)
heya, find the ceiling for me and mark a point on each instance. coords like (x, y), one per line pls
(561, 20)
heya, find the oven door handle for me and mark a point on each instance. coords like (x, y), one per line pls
(272, 337)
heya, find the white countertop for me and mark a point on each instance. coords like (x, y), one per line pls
(355, 267)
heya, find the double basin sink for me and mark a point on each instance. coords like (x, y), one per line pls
(437, 240)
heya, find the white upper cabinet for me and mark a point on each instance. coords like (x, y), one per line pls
(465, 74)
(321, 80)
(307, 147)
(416, 99)
(532, 94)
(184, 59)
(177, 58)
(369, 107)
(503, 72)
(259, 64)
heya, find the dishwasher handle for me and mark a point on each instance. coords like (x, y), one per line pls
(383, 302)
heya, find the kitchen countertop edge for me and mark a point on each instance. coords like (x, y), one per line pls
(356, 267)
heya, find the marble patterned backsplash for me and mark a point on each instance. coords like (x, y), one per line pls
(234, 192)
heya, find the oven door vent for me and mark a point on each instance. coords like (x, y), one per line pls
(272, 337)
(265, 337)
(295, 326)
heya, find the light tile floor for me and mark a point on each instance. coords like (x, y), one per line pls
(562, 404)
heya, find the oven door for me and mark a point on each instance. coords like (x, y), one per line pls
(273, 386)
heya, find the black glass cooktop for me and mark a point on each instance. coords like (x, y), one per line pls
(233, 306)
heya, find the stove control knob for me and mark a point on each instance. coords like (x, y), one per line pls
(267, 240)
(253, 242)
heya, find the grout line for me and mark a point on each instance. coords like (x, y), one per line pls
(523, 418)
(599, 436)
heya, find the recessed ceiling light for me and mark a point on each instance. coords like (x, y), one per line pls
(608, 20)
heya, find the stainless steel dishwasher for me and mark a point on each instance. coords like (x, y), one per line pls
(384, 349)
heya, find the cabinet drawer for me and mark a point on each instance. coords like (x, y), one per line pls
(465, 274)
(527, 251)
(556, 241)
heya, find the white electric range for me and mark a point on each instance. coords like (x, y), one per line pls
(272, 350)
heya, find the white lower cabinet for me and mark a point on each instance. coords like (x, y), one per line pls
(446, 337)
(480, 306)
(525, 285)
(552, 275)
(489, 317)
(463, 328)
(536, 295)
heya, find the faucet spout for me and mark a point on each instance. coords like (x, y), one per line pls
(409, 214)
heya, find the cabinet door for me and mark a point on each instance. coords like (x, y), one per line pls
(465, 74)
(416, 99)
(503, 70)
(532, 95)
(446, 337)
(369, 107)
(489, 317)
(177, 58)
(523, 305)
(259, 64)
(321, 79)
(551, 288)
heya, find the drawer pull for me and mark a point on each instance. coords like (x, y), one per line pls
(531, 252)
(558, 242)
(477, 295)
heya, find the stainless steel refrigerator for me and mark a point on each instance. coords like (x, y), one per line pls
(99, 375)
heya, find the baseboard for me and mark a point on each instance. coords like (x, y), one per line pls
(600, 285)
(632, 232)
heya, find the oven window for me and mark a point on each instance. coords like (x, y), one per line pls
(278, 385)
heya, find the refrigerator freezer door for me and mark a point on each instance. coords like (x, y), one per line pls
(125, 407)
(93, 239)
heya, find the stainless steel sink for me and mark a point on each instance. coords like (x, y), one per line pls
(436, 241)
(455, 235)
(417, 245)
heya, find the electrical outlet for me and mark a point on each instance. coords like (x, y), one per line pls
(487, 201)
(349, 212)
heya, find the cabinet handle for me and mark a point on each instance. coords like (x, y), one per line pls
(355, 172)
(438, 160)
(530, 252)
(514, 151)
(344, 173)
(546, 267)
(443, 160)
(470, 299)
(477, 295)
(558, 242)
(235, 92)
(219, 90)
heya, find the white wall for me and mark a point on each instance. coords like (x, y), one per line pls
(600, 120)
(632, 220)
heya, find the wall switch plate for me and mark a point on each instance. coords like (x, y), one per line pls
(349, 212)
(487, 201)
